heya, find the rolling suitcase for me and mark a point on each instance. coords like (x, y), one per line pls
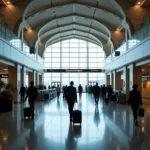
(141, 112)
(77, 115)
(27, 112)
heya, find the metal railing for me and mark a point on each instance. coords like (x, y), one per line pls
(9, 36)
(138, 37)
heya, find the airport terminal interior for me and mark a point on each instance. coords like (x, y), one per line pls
(89, 42)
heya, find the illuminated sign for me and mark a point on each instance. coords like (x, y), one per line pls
(74, 70)
(3, 75)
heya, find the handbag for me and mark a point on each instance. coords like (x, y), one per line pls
(141, 112)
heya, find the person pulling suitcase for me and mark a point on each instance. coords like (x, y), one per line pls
(71, 96)
(32, 95)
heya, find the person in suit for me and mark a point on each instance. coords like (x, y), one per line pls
(96, 92)
(80, 90)
(104, 91)
(22, 93)
(135, 101)
(32, 95)
(110, 92)
(71, 95)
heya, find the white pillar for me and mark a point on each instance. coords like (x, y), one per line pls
(124, 79)
(114, 80)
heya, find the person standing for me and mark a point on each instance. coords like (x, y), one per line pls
(80, 90)
(32, 95)
(58, 91)
(22, 93)
(71, 96)
(135, 101)
(96, 92)
(104, 90)
(110, 92)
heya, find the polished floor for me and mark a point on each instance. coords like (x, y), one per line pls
(105, 127)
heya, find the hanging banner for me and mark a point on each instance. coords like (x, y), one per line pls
(74, 70)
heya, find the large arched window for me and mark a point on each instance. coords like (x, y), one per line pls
(73, 54)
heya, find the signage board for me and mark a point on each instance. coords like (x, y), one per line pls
(74, 70)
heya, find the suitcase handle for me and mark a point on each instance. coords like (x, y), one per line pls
(76, 106)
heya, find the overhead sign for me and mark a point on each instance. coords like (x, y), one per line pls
(3, 75)
(74, 70)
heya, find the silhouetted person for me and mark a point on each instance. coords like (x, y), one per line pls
(104, 90)
(80, 90)
(96, 92)
(32, 95)
(135, 101)
(65, 92)
(86, 88)
(49, 87)
(71, 98)
(58, 91)
(110, 92)
(22, 93)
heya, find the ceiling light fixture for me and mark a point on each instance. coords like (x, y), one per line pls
(139, 3)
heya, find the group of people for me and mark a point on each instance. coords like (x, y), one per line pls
(101, 91)
(70, 94)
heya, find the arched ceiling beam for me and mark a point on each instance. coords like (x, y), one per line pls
(72, 30)
(121, 15)
(84, 29)
(111, 25)
(71, 37)
(95, 24)
(40, 34)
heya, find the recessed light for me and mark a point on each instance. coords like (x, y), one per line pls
(8, 2)
(139, 3)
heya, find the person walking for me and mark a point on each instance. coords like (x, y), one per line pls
(104, 90)
(32, 95)
(22, 93)
(110, 92)
(135, 101)
(58, 91)
(71, 96)
(96, 92)
(80, 90)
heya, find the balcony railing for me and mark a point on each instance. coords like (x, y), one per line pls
(9, 36)
(138, 37)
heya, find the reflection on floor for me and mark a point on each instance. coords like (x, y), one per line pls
(103, 128)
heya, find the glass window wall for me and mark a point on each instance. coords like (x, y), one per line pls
(73, 54)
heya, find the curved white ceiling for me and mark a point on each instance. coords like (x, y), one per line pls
(90, 18)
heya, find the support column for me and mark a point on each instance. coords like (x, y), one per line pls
(118, 81)
(41, 79)
(24, 76)
(137, 77)
(111, 79)
(114, 80)
(15, 80)
(31, 77)
(124, 79)
(37, 78)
